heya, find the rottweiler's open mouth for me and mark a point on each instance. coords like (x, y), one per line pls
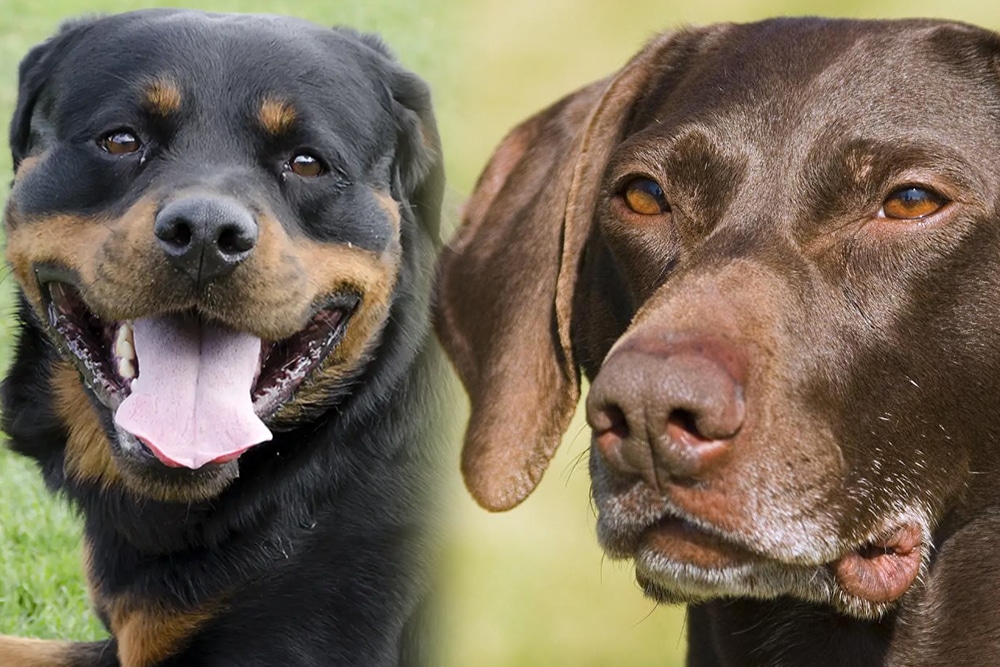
(190, 389)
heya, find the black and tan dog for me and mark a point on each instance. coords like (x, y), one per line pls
(774, 249)
(222, 228)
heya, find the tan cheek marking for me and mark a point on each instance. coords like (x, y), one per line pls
(27, 164)
(276, 116)
(162, 97)
(121, 251)
(390, 206)
(333, 267)
(286, 275)
(60, 239)
(88, 452)
(130, 262)
(18, 652)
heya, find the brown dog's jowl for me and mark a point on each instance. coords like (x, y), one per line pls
(772, 249)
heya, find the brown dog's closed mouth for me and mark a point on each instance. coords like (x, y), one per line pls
(684, 542)
(882, 570)
(178, 351)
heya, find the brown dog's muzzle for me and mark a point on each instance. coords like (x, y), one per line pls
(667, 409)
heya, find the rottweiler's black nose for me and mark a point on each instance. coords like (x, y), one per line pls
(206, 237)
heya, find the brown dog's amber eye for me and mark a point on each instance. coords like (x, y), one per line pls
(911, 203)
(304, 164)
(645, 197)
(120, 142)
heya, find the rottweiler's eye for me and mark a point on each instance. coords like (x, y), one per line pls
(645, 197)
(120, 142)
(911, 203)
(304, 164)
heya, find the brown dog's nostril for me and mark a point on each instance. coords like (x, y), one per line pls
(611, 433)
(667, 410)
(693, 453)
(206, 237)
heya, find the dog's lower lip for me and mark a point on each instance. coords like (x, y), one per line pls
(683, 542)
(882, 570)
(87, 339)
(285, 364)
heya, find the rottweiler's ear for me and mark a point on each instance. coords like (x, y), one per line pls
(33, 74)
(419, 163)
(419, 160)
(506, 281)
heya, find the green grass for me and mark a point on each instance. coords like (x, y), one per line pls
(42, 593)
(525, 588)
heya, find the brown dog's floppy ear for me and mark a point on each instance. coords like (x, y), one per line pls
(505, 283)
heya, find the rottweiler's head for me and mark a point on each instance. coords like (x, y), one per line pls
(209, 221)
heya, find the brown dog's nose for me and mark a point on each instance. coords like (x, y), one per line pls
(206, 237)
(667, 410)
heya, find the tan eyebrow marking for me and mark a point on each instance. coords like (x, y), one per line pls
(276, 115)
(162, 97)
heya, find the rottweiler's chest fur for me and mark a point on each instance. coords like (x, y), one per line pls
(221, 228)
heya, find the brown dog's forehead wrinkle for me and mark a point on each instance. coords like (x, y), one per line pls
(817, 163)
(737, 71)
(776, 104)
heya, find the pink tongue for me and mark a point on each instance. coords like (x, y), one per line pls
(191, 403)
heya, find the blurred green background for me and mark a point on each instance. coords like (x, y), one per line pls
(529, 587)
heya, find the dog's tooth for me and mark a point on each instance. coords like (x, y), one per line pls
(126, 369)
(123, 343)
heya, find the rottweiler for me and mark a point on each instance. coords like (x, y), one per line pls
(222, 229)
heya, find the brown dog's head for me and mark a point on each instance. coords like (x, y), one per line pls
(772, 248)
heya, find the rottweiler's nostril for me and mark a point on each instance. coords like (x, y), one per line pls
(177, 235)
(234, 240)
(206, 237)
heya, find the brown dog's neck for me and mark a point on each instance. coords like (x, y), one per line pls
(742, 633)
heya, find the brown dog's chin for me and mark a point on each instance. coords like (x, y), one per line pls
(679, 561)
(883, 570)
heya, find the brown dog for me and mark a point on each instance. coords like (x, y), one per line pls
(773, 250)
